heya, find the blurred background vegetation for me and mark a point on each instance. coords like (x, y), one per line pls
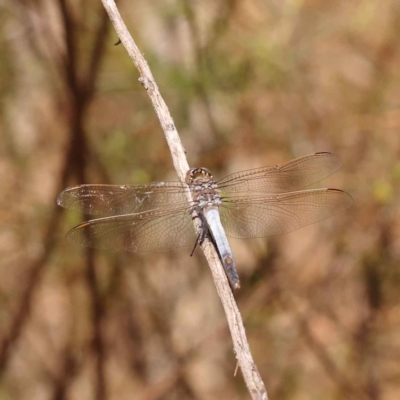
(249, 83)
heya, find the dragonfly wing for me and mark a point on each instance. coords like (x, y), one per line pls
(147, 231)
(296, 174)
(280, 213)
(109, 200)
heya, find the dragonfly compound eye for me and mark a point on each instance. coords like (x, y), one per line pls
(198, 174)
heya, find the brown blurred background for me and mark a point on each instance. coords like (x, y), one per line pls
(249, 83)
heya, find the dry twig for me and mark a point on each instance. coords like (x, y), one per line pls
(241, 348)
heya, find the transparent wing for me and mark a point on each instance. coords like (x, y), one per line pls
(146, 231)
(109, 200)
(296, 174)
(280, 213)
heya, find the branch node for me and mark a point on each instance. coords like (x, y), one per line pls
(143, 81)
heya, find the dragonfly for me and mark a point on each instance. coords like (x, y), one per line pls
(253, 203)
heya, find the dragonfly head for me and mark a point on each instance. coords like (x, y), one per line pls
(198, 175)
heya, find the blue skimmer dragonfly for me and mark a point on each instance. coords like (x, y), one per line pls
(254, 203)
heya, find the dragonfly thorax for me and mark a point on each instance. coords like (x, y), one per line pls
(203, 187)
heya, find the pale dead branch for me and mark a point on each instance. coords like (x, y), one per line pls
(242, 352)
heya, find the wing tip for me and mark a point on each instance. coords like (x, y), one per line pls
(328, 154)
(78, 236)
(60, 199)
(349, 198)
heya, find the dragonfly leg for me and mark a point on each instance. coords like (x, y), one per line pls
(195, 245)
(202, 234)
